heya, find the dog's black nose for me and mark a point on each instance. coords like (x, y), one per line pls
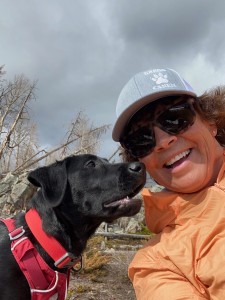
(136, 167)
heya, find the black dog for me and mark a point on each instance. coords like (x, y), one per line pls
(75, 196)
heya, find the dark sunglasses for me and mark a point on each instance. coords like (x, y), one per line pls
(138, 137)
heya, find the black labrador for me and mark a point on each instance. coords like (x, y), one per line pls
(75, 196)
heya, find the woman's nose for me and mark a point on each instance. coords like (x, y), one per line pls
(163, 140)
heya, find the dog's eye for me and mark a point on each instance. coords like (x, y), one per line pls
(90, 164)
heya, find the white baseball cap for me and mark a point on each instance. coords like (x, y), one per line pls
(144, 88)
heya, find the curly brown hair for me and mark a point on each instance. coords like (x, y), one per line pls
(211, 108)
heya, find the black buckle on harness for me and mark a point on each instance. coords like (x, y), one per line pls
(17, 233)
(68, 260)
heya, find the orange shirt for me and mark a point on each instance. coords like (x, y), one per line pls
(186, 258)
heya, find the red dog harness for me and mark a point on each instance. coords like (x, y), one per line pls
(44, 282)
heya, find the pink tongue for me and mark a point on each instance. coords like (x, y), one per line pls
(118, 202)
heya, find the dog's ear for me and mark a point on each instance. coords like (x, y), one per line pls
(52, 180)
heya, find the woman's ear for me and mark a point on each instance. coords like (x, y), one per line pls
(213, 129)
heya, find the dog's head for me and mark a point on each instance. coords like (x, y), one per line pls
(91, 186)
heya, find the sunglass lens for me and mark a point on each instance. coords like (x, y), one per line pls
(140, 142)
(176, 119)
(139, 138)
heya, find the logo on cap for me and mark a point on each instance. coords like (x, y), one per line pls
(160, 78)
(162, 81)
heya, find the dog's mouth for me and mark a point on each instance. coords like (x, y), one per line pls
(124, 201)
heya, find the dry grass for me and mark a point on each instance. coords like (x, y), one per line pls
(103, 277)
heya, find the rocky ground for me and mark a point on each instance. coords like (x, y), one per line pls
(108, 281)
(111, 283)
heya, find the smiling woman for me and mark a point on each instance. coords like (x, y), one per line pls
(180, 138)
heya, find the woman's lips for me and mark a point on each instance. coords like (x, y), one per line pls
(179, 158)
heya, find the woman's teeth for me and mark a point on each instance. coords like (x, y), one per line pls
(177, 157)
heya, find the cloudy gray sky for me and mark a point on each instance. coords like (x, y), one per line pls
(82, 52)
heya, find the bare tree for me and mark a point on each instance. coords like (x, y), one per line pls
(19, 149)
(16, 130)
(2, 71)
(82, 137)
(77, 140)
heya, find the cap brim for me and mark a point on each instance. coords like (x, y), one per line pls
(133, 108)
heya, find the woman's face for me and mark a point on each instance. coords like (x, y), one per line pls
(186, 162)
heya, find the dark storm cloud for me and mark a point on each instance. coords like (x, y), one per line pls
(167, 31)
(64, 47)
(82, 52)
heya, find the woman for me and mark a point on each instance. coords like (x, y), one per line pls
(180, 138)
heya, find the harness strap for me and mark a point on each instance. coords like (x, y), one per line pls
(34, 270)
(55, 250)
(27, 258)
(44, 283)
